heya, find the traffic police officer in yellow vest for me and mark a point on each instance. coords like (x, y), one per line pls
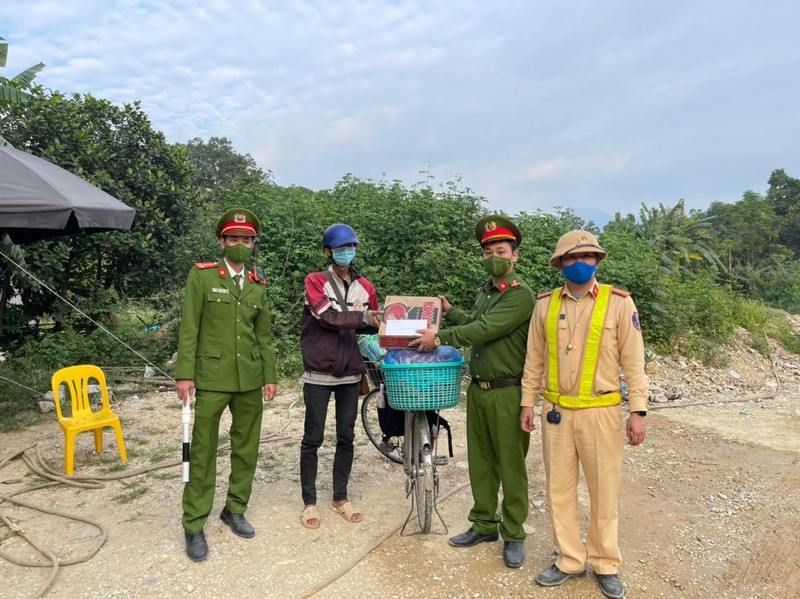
(579, 336)
(225, 356)
(497, 331)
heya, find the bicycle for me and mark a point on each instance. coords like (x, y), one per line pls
(385, 427)
(416, 390)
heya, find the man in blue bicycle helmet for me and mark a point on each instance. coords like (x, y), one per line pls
(339, 303)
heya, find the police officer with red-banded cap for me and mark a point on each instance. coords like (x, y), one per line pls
(225, 358)
(497, 330)
(580, 334)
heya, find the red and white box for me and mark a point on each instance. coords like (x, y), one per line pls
(403, 315)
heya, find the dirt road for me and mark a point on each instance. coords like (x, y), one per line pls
(710, 507)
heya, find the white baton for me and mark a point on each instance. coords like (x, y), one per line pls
(186, 421)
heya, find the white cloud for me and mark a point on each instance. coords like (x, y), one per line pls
(534, 104)
(585, 167)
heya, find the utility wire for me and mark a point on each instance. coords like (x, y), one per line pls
(82, 313)
(21, 385)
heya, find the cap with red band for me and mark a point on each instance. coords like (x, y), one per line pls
(234, 228)
(496, 228)
(238, 221)
(497, 234)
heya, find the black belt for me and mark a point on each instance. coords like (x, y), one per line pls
(497, 384)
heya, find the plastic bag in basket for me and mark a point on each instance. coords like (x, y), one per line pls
(370, 347)
(441, 355)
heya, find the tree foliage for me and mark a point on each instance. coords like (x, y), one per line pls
(116, 149)
(14, 90)
(685, 269)
(215, 165)
(784, 196)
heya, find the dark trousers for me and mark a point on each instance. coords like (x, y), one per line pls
(316, 399)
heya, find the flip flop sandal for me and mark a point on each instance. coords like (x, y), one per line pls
(310, 513)
(347, 511)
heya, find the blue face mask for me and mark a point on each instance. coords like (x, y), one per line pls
(579, 272)
(343, 256)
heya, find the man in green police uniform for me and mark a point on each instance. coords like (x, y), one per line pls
(225, 354)
(497, 330)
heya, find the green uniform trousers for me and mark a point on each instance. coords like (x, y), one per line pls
(198, 494)
(496, 450)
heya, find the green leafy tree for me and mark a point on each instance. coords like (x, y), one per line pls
(116, 149)
(650, 256)
(745, 232)
(680, 240)
(223, 177)
(14, 90)
(633, 266)
(540, 233)
(412, 242)
(784, 195)
(216, 164)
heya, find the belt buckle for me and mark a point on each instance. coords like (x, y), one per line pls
(485, 385)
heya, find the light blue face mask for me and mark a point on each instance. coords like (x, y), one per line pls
(343, 256)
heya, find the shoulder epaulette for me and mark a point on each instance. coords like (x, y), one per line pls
(621, 292)
(256, 276)
(205, 265)
(544, 295)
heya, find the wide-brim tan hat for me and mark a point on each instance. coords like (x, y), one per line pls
(576, 241)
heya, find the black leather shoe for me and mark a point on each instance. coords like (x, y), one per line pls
(238, 523)
(514, 553)
(611, 586)
(552, 576)
(471, 538)
(196, 546)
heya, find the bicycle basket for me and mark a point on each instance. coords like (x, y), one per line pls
(374, 372)
(423, 386)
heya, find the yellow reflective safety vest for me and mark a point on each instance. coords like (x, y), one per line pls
(585, 399)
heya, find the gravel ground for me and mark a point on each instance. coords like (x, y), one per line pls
(709, 507)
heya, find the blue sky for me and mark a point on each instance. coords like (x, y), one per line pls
(599, 106)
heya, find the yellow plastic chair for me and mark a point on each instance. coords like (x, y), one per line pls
(77, 378)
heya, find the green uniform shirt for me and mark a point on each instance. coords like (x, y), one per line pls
(497, 329)
(226, 333)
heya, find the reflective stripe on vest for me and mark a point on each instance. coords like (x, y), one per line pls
(585, 399)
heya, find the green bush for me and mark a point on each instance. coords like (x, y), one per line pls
(787, 335)
(699, 319)
(145, 331)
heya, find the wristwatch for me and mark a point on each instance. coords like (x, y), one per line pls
(641, 413)
(436, 341)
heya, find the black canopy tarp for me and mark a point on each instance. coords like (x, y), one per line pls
(39, 199)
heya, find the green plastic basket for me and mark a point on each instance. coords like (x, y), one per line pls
(423, 386)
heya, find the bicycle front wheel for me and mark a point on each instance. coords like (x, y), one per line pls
(371, 421)
(422, 465)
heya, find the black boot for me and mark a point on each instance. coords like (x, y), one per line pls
(196, 546)
(471, 537)
(238, 523)
(514, 553)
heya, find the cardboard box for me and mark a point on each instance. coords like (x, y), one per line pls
(407, 308)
